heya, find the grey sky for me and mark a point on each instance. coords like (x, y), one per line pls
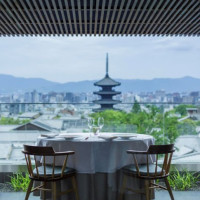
(64, 59)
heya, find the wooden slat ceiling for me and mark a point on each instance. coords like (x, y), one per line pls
(99, 17)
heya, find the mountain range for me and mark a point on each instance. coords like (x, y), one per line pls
(9, 84)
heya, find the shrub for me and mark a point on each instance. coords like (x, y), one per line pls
(19, 181)
(183, 181)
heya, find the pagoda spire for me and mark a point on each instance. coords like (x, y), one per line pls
(107, 65)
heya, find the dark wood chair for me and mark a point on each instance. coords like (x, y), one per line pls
(150, 171)
(44, 172)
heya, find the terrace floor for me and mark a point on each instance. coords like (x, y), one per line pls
(186, 195)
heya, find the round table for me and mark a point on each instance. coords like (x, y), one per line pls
(98, 162)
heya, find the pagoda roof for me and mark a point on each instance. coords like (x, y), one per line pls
(107, 92)
(103, 101)
(103, 109)
(107, 81)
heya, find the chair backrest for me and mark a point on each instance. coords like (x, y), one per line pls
(36, 155)
(37, 150)
(163, 153)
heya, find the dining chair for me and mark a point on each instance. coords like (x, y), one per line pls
(150, 171)
(44, 173)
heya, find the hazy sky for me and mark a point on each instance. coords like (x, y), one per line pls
(64, 59)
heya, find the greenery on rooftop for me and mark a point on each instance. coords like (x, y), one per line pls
(12, 121)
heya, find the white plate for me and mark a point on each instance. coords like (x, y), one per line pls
(50, 135)
(125, 136)
(69, 137)
(108, 138)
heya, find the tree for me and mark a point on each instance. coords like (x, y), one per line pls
(187, 127)
(181, 109)
(152, 122)
(136, 107)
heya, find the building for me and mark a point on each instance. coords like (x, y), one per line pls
(106, 93)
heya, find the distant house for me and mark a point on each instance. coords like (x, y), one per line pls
(193, 113)
(29, 115)
(43, 125)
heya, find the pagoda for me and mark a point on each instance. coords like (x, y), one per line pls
(106, 101)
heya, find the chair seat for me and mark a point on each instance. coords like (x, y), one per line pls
(57, 171)
(143, 169)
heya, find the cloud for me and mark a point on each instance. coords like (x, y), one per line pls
(175, 44)
(65, 59)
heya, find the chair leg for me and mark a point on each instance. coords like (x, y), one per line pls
(44, 192)
(169, 189)
(54, 190)
(123, 187)
(74, 183)
(29, 189)
(147, 190)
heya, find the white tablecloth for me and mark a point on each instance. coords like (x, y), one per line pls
(98, 155)
(98, 163)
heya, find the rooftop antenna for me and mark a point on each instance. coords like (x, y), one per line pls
(107, 65)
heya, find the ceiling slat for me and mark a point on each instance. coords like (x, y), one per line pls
(107, 17)
(74, 16)
(10, 17)
(19, 17)
(163, 16)
(191, 29)
(124, 17)
(85, 17)
(6, 30)
(9, 25)
(147, 16)
(129, 17)
(132, 25)
(25, 17)
(102, 15)
(69, 17)
(190, 26)
(47, 18)
(63, 18)
(176, 15)
(57, 16)
(139, 22)
(167, 18)
(80, 17)
(158, 16)
(36, 18)
(91, 15)
(153, 15)
(52, 16)
(191, 12)
(96, 17)
(112, 18)
(118, 17)
(41, 18)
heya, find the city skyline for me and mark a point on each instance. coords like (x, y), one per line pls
(60, 59)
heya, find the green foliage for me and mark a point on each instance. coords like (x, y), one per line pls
(197, 123)
(181, 109)
(183, 181)
(57, 117)
(144, 122)
(187, 127)
(114, 121)
(12, 121)
(19, 182)
(136, 107)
